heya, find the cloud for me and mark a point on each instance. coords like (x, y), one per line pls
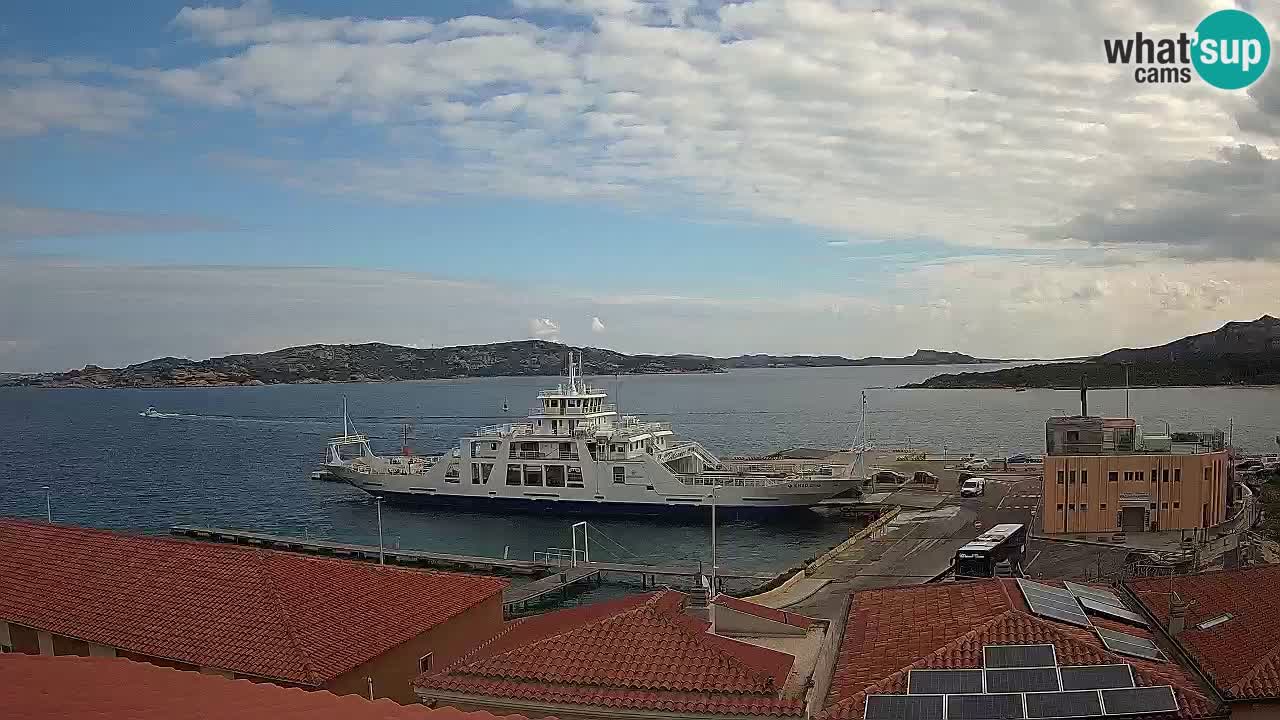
(932, 119)
(837, 243)
(597, 326)
(1224, 207)
(19, 222)
(43, 105)
(544, 329)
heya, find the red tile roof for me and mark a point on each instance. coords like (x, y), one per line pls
(34, 687)
(945, 626)
(1242, 655)
(761, 611)
(641, 653)
(256, 612)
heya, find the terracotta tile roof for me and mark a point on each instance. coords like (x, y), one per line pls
(1242, 655)
(641, 652)
(945, 626)
(768, 613)
(34, 687)
(256, 612)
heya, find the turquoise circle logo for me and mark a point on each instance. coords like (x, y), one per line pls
(1232, 49)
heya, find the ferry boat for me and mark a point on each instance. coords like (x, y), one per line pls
(576, 453)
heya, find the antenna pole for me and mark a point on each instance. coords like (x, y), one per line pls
(1126, 389)
(344, 416)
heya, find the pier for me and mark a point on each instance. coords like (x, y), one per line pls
(573, 574)
(516, 598)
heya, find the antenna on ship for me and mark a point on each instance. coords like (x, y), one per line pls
(344, 416)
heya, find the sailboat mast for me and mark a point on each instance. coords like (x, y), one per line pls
(344, 416)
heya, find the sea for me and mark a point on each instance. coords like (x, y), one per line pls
(241, 457)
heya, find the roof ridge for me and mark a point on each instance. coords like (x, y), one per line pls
(470, 658)
(277, 605)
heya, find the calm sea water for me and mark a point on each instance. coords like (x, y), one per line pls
(241, 457)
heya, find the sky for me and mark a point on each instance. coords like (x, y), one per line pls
(856, 177)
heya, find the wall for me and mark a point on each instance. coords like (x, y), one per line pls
(1182, 501)
(1255, 710)
(394, 670)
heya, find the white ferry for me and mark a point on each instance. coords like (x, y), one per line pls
(575, 453)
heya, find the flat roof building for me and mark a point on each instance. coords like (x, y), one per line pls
(236, 611)
(1103, 475)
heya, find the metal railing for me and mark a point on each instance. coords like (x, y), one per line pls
(559, 557)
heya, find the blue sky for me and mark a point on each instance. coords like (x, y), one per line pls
(696, 177)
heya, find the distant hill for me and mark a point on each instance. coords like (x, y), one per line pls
(919, 357)
(1238, 353)
(377, 362)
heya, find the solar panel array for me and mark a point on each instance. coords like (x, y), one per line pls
(1054, 603)
(1084, 591)
(1127, 644)
(1112, 611)
(1022, 682)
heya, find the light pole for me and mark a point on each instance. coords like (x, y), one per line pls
(48, 504)
(382, 560)
(714, 567)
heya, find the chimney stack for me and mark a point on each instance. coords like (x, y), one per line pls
(1084, 396)
(1177, 616)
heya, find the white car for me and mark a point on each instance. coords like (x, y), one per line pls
(973, 487)
(976, 464)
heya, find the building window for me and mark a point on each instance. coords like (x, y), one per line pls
(1071, 478)
(575, 476)
(513, 474)
(1103, 506)
(1177, 474)
(619, 474)
(1166, 476)
(1072, 507)
(1073, 436)
(424, 663)
(1059, 507)
(1084, 507)
(1177, 505)
(475, 473)
(533, 475)
(1153, 506)
(1155, 475)
(1164, 506)
(1206, 474)
(1138, 476)
(1114, 476)
(1062, 475)
(1084, 477)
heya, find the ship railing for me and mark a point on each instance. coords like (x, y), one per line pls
(632, 426)
(505, 429)
(712, 481)
(561, 390)
(571, 411)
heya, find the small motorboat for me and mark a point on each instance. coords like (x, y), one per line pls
(151, 412)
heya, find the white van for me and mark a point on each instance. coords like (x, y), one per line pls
(973, 486)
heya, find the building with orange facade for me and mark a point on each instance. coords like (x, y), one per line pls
(1104, 475)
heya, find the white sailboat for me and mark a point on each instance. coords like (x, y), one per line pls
(576, 453)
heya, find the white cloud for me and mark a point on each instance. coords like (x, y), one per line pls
(837, 243)
(46, 104)
(19, 222)
(927, 118)
(597, 326)
(544, 329)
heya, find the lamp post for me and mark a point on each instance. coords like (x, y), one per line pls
(714, 567)
(48, 504)
(382, 560)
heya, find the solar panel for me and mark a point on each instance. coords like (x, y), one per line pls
(1076, 704)
(1126, 644)
(1134, 701)
(904, 707)
(1014, 656)
(985, 707)
(1021, 680)
(1082, 591)
(1053, 603)
(1096, 677)
(1113, 611)
(942, 682)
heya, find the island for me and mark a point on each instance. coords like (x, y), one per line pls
(1238, 353)
(380, 362)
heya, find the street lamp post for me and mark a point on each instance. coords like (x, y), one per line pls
(48, 504)
(382, 560)
(714, 573)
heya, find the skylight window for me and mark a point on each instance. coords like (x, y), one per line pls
(1214, 622)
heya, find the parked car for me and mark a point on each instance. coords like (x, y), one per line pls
(1023, 458)
(976, 464)
(889, 476)
(973, 487)
(924, 477)
(1249, 464)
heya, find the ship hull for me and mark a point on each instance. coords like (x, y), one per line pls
(508, 506)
